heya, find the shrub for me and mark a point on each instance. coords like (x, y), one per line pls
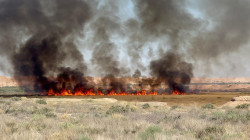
(172, 117)
(211, 132)
(12, 126)
(2, 101)
(118, 109)
(150, 132)
(41, 101)
(174, 107)
(208, 106)
(40, 126)
(145, 106)
(235, 116)
(242, 106)
(50, 115)
(231, 116)
(44, 111)
(84, 138)
(95, 131)
(217, 115)
(16, 98)
(15, 111)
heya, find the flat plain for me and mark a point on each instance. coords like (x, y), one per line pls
(201, 116)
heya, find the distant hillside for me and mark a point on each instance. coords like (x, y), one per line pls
(6, 81)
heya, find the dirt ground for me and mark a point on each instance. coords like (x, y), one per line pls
(217, 99)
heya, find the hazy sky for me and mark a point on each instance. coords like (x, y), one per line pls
(231, 64)
(223, 60)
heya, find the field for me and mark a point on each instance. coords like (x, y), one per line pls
(124, 117)
(216, 98)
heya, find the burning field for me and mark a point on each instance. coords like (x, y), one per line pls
(60, 48)
(135, 69)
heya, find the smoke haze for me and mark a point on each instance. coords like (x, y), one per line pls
(169, 40)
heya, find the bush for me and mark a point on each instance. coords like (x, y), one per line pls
(211, 132)
(16, 98)
(174, 107)
(84, 138)
(172, 117)
(118, 109)
(50, 115)
(42, 110)
(145, 106)
(242, 106)
(208, 106)
(231, 116)
(41, 101)
(150, 132)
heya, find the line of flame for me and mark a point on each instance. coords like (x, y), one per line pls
(111, 93)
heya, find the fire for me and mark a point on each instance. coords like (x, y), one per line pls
(176, 92)
(82, 92)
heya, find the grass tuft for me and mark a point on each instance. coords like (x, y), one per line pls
(208, 106)
(16, 98)
(145, 106)
(150, 132)
(118, 109)
(242, 106)
(211, 132)
(41, 101)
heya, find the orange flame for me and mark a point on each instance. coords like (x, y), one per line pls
(82, 92)
(176, 92)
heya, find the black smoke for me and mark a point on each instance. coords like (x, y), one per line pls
(39, 62)
(168, 21)
(38, 38)
(173, 70)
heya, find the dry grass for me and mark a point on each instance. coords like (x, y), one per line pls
(108, 119)
(216, 98)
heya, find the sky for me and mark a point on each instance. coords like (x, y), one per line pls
(217, 56)
(232, 64)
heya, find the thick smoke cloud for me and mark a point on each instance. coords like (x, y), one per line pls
(169, 21)
(229, 28)
(38, 39)
(173, 70)
(105, 52)
(49, 42)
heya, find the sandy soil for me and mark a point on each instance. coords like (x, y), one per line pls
(237, 101)
(204, 84)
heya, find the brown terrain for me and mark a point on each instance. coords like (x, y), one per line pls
(7, 81)
(205, 115)
(201, 84)
(217, 91)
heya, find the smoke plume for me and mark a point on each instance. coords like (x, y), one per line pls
(169, 21)
(49, 44)
(38, 39)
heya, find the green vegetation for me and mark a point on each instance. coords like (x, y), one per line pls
(41, 101)
(174, 107)
(119, 109)
(16, 98)
(211, 132)
(83, 120)
(84, 138)
(12, 90)
(145, 106)
(208, 106)
(231, 116)
(150, 132)
(242, 106)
